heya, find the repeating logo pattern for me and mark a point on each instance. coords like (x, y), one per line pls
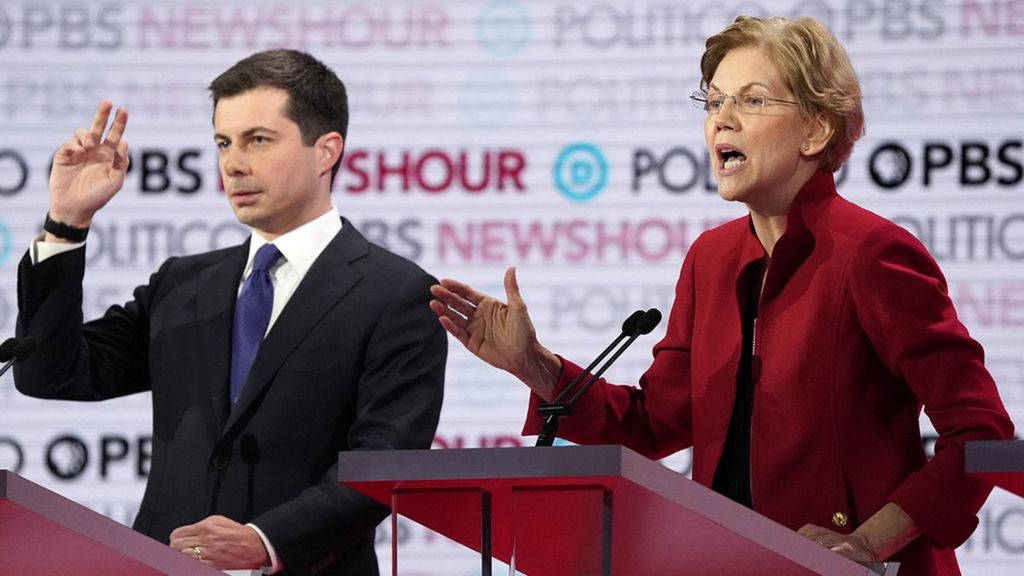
(552, 135)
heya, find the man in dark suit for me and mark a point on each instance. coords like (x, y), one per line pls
(264, 360)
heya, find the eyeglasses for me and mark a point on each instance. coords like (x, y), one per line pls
(747, 103)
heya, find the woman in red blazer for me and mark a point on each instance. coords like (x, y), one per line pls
(804, 339)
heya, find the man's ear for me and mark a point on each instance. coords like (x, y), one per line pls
(329, 147)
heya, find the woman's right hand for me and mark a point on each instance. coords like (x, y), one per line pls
(498, 333)
(89, 169)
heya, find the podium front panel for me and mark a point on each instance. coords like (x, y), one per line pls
(467, 518)
(33, 544)
(562, 530)
(45, 534)
(661, 522)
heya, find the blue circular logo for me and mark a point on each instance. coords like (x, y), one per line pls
(5, 242)
(581, 171)
(503, 27)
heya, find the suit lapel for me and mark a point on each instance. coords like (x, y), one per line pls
(217, 291)
(327, 282)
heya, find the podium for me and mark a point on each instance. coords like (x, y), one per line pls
(998, 461)
(567, 510)
(45, 534)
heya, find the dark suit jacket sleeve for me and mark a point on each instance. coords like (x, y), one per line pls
(102, 359)
(398, 406)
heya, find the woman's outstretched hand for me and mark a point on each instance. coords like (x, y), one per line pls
(499, 333)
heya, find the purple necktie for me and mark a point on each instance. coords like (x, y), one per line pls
(252, 315)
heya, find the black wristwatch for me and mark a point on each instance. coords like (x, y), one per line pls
(64, 231)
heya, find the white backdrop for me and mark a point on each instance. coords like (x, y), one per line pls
(552, 135)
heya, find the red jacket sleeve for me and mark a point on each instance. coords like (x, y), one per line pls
(902, 301)
(655, 419)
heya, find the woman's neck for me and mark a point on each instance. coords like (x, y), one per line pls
(768, 228)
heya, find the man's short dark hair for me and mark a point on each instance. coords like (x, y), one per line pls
(316, 96)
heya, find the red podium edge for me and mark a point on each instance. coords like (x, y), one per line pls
(1000, 462)
(378, 473)
(90, 528)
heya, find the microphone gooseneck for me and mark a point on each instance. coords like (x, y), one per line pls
(638, 324)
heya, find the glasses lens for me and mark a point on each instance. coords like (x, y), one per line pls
(699, 100)
(752, 104)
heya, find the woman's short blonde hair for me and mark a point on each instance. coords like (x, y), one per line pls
(812, 64)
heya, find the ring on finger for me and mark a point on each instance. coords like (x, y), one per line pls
(198, 552)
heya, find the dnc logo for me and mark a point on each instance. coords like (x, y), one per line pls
(581, 171)
(5, 242)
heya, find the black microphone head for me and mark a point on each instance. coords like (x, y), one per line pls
(650, 319)
(24, 348)
(629, 326)
(7, 348)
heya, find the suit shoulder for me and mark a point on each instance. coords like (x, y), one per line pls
(200, 260)
(374, 260)
(386, 263)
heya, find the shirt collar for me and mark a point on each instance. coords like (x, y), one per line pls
(303, 245)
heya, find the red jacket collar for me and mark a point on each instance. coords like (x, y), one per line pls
(797, 243)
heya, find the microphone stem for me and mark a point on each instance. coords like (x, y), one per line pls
(586, 386)
(575, 382)
(548, 431)
(7, 366)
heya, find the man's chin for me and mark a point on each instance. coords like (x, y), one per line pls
(246, 215)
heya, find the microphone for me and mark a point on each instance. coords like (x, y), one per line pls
(638, 324)
(13, 350)
(647, 323)
(629, 326)
(7, 349)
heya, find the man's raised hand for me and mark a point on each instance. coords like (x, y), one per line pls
(89, 168)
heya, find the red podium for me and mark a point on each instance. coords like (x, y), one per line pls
(998, 461)
(44, 534)
(570, 510)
